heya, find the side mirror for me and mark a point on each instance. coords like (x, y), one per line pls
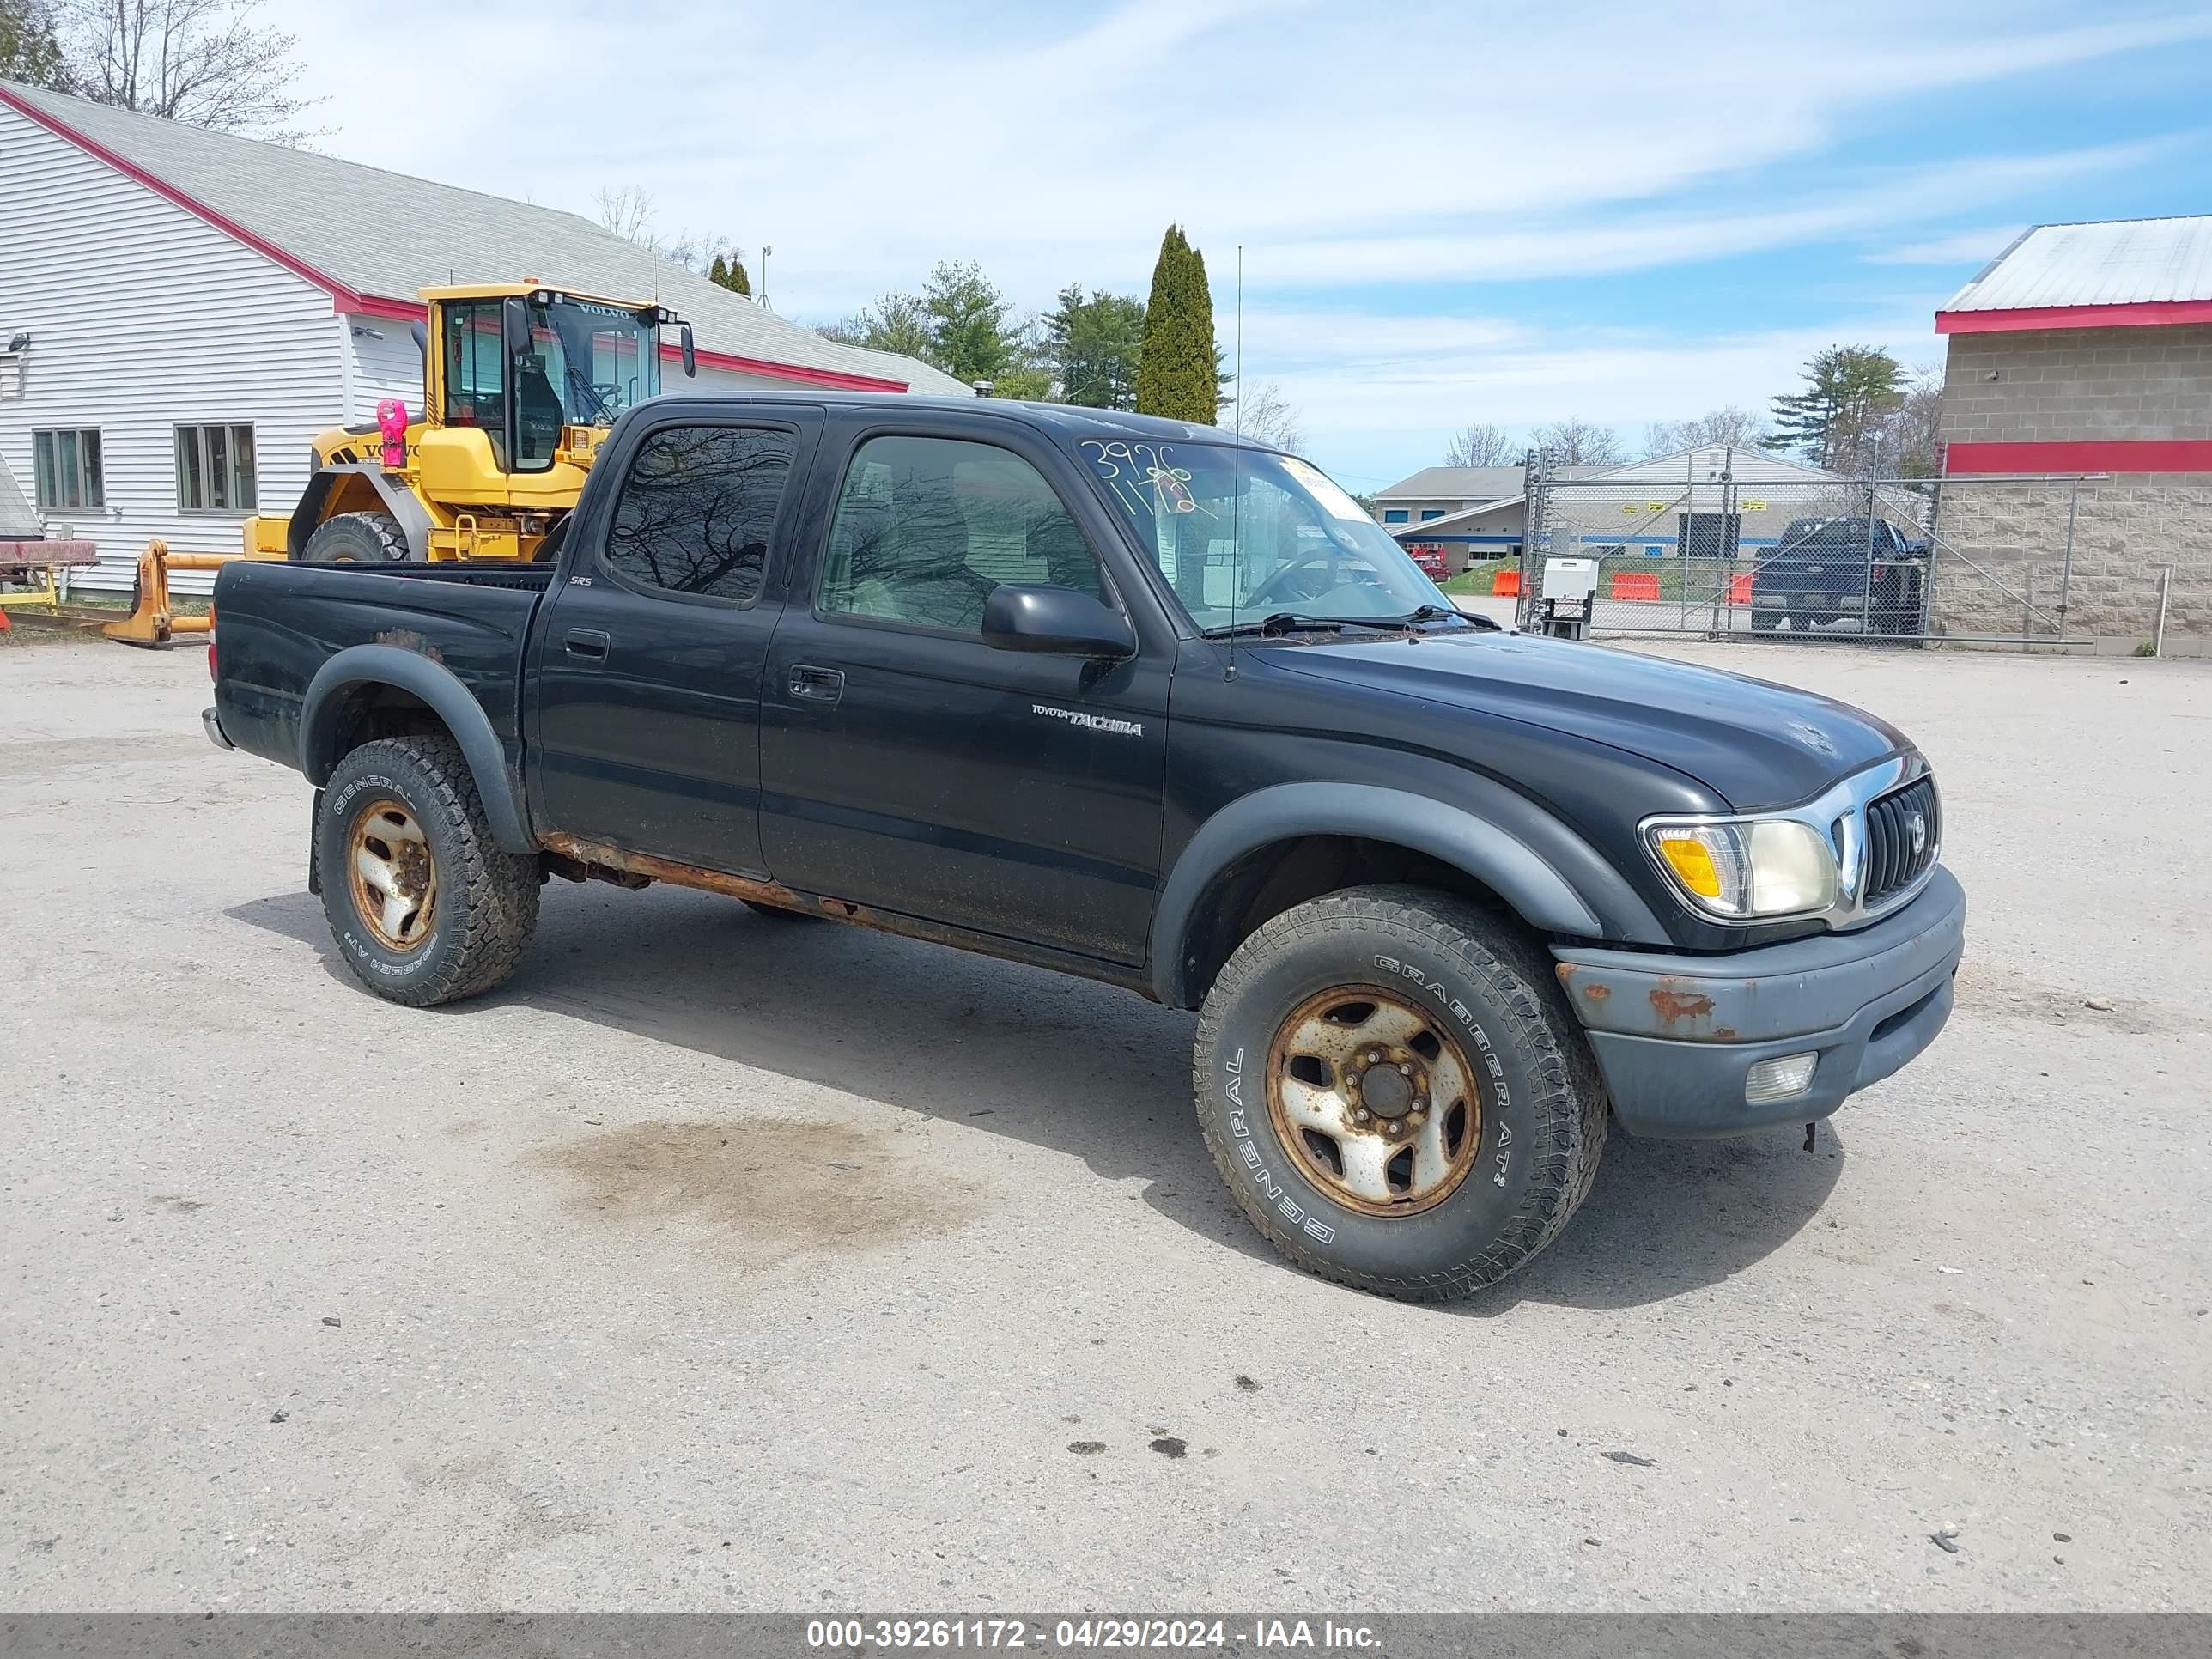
(1057, 621)
(515, 324)
(690, 355)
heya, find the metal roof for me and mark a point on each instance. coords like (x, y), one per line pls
(387, 234)
(2112, 262)
(1456, 483)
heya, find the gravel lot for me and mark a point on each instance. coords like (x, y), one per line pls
(718, 1262)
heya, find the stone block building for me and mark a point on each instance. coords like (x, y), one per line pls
(2081, 350)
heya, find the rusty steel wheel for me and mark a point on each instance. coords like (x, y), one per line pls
(394, 879)
(1376, 1099)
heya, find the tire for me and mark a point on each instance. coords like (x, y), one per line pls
(356, 538)
(1765, 622)
(410, 804)
(1534, 1110)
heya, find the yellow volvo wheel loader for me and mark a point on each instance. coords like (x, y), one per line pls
(521, 382)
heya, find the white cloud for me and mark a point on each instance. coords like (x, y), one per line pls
(1365, 414)
(1357, 153)
(867, 142)
(1961, 247)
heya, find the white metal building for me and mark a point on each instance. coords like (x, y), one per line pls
(1688, 480)
(181, 311)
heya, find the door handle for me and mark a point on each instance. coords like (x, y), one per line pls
(589, 643)
(823, 685)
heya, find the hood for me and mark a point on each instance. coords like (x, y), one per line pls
(1758, 744)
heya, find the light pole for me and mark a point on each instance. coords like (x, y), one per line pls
(765, 251)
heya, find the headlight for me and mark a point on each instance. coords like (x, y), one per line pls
(1748, 869)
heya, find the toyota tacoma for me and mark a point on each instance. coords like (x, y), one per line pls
(1136, 701)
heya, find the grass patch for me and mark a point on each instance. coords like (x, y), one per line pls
(1477, 578)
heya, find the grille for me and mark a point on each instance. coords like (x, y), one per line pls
(1896, 856)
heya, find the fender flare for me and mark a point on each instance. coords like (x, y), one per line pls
(400, 503)
(452, 702)
(1552, 878)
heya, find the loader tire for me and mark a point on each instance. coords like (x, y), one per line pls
(356, 538)
(424, 905)
(1396, 1092)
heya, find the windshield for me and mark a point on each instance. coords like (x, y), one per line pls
(599, 360)
(1242, 535)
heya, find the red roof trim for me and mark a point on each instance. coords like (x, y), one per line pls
(2138, 314)
(397, 311)
(833, 379)
(2086, 455)
(345, 298)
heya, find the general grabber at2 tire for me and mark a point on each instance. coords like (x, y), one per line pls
(424, 906)
(1393, 1086)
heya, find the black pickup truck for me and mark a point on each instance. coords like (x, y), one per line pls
(1118, 696)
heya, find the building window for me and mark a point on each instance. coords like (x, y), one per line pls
(1395, 515)
(68, 469)
(1428, 513)
(215, 469)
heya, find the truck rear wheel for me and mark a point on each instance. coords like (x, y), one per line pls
(1396, 1093)
(424, 905)
(356, 538)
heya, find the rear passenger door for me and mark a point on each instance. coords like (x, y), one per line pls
(909, 766)
(647, 682)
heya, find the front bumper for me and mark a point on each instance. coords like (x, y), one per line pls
(213, 727)
(1675, 1036)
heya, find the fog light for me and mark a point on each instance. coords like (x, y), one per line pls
(1779, 1079)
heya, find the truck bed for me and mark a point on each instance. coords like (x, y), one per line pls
(278, 623)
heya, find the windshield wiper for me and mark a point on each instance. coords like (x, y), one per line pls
(1289, 621)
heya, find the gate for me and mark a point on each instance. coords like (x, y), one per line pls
(1907, 560)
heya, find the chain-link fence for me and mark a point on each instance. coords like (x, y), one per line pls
(1902, 560)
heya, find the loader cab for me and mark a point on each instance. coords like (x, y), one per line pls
(522, 384)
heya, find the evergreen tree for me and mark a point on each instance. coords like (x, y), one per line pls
(1849, 391)
(1178, 372)
(729, 273)
(1093, 347)
(968, 324)
(29, 50)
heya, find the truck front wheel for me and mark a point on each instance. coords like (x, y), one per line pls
(424, 906)
(1393, 1086)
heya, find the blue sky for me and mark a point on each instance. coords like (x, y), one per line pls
(1449, 212)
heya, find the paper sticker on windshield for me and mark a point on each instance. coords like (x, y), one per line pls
(1332, 500)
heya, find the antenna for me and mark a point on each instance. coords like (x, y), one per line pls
(1237, 472)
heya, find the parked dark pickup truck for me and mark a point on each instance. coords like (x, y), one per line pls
(1823, 571)
(1107, 695)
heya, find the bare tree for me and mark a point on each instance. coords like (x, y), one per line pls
(204, 62)
(1739, 428)
(1909, 435)
(627, 212)
(1267, 416)
(1480, 444)
(1576, 442)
